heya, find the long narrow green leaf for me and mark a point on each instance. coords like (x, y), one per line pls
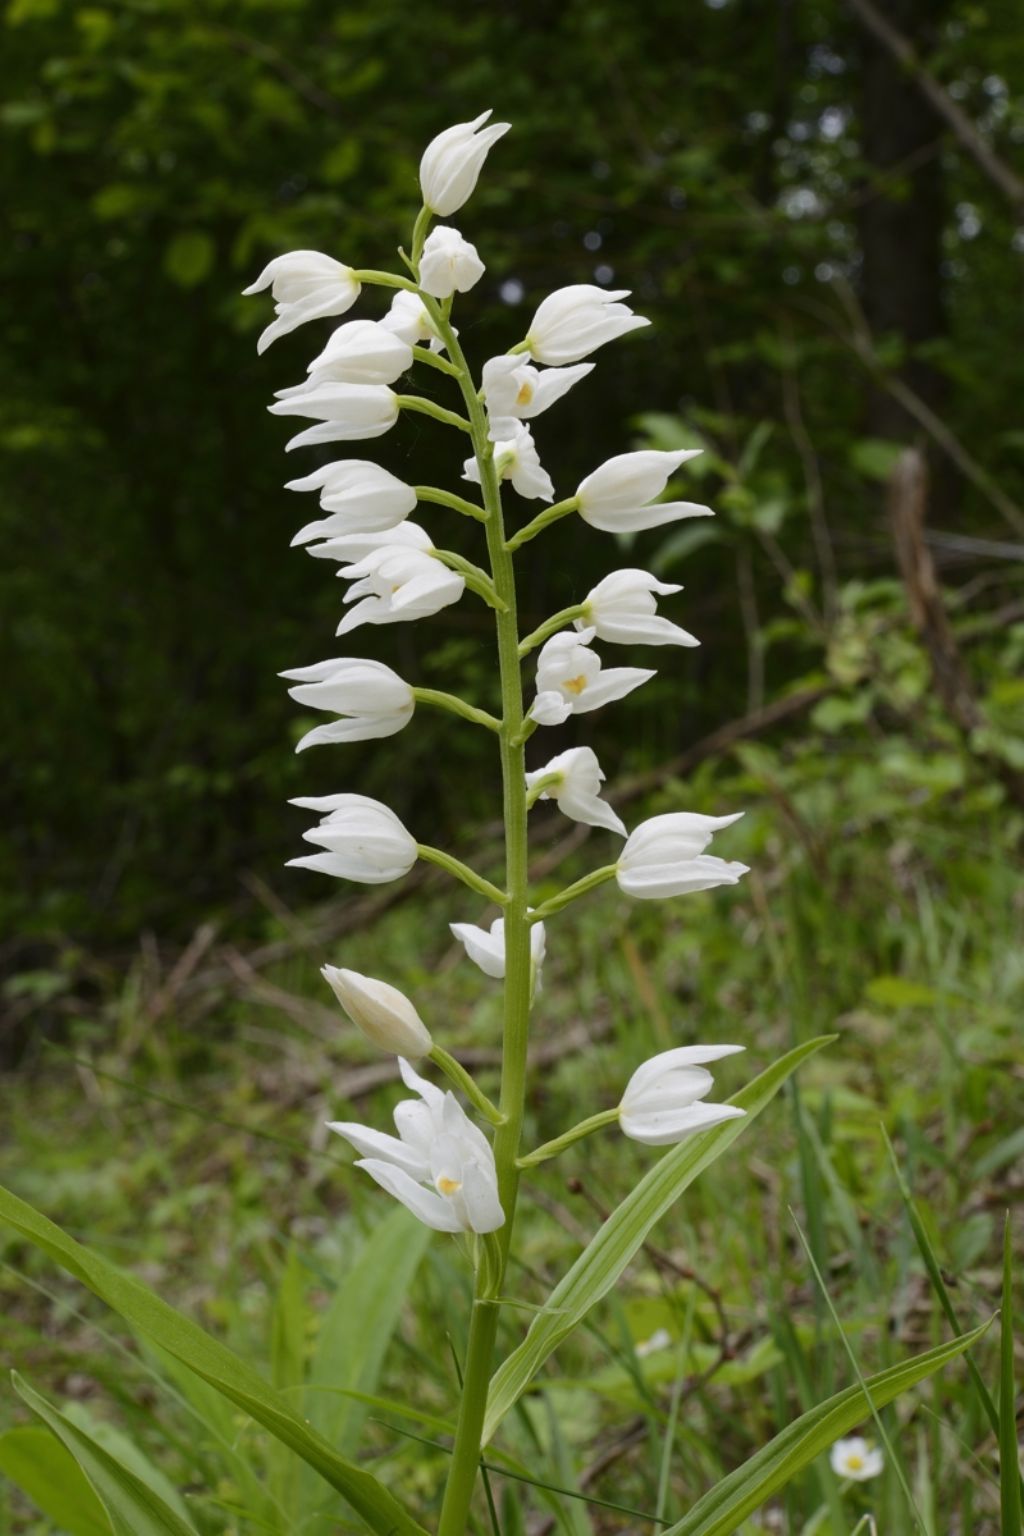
(624, 1233)
(213, 1362)
(354, 1336)
(37, 1463)
(1009, 1462)
(132, 1506)
(724, 1508)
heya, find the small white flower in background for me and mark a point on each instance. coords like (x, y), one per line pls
(577, 789)
(362, 498)
(486, 946)
(661, 1102)
(306, 286)
(440, 1165)
(572, 681)
(385, 1015)
(513, 387)
(622, 608)
(363, 840)
(343, 412)
(574, 321)
(856, 1459)
(619, 496)
(358, 352)
(449, 263)
(659, 1339)
(377, 701)
(516, 459)
(665, 856)
(452, 162)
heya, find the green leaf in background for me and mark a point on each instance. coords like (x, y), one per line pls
(725, 1507)
(133, 1507)
(189, 258)
(355, 1333)
(38, 1463)
(874, 457)
(213, 1362)
(1009, 1453)
(624, 1233)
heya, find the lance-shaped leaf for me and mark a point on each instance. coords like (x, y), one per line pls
(37, 1463)
(624, 1233)
(132, 1506)
(214, 1363)
(724, 1509)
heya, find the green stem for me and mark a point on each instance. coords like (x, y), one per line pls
(456, 706)
(462, 1474)
(456, 1073)
(535, 791)
(385, 280)
(435, 360)
(477, 580)
(550, 627)
(541, 521)
(579, 888)
(454, 866)
(428, 408)
(585, 1128)
(419, 234)
(449, 499)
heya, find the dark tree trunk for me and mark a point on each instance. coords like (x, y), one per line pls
(902, 216)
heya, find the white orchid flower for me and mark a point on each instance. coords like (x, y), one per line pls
(395, 575)
(452, 163)
(856, 1459)
(661, 1102)
(362, 498)
(572, 322)
(363, 840)
(343, 412)
(572, 681)
(512, 387)
(376, 701)
(665, 856)
(358, 352)
(516, 459)
(449, 264)
(486, 946)
(573, 779)
(306, 285)
(440, 1165)
(622, 608)
(619, 497)
(408, 318)
(385, 1016)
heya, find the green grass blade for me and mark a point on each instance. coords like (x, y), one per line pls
(1009, 1463)
(624, 1233)
(934, 1269)
(134, 1509)
(723, 1509)
(35, 1461)
(213, 1362)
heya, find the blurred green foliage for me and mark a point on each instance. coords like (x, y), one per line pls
(155, 153)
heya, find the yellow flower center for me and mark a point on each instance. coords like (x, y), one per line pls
(449, 1186)
(525, 394)
(575, 684)
(855, 1462)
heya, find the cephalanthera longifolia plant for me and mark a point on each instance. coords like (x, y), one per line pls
(454, 1175)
